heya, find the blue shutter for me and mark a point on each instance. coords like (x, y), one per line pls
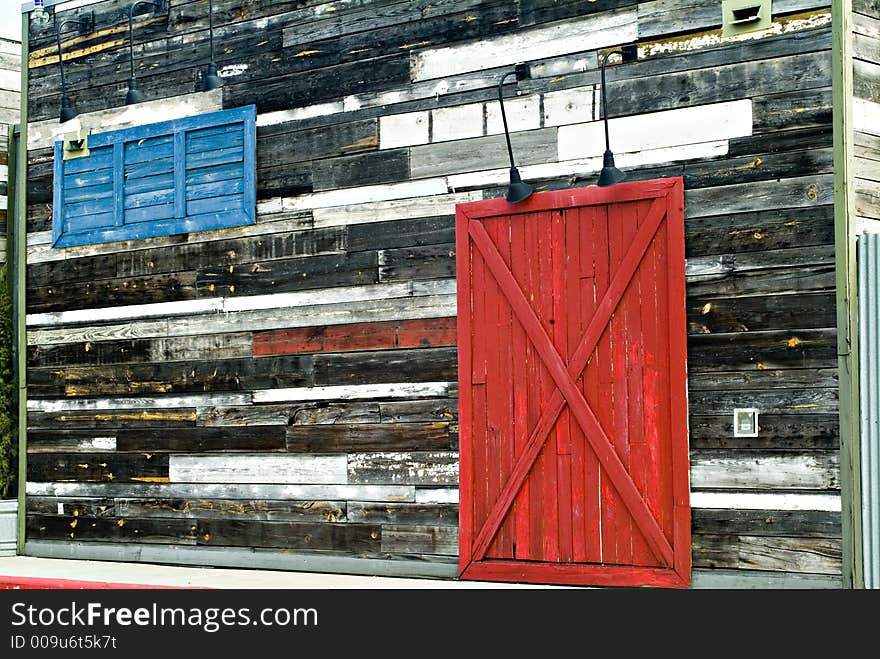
(190, 174)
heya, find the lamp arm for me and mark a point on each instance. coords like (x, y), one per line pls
(504, 115)
(211, 27)
(605, 98)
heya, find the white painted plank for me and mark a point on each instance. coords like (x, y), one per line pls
(407, 308)
(139, 402)
(866, 116)
(397, 130)
(44, 133)
(457, 122)
(762, 501)
(571, 36)
(298, 114)
(400, 209)
(4, 172)
(586, 167)
(326, 492)
(356, 392)
(523, 113)
(10, 80)
(806, 472)
(569, 106)
(691, 125)
(361, 195)
(242, 468)
(436, 495)
(312, 297)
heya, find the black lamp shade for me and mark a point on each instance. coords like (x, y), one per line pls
(134, 94)
(68, 112)
(211, 80)
(517, 190)
(610, 174)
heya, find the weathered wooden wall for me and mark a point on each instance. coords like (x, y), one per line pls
(10, 102)
(866, 111)
(317, 413)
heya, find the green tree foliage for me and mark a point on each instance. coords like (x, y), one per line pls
(8, 408)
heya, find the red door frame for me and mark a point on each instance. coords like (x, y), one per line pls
(674, 555)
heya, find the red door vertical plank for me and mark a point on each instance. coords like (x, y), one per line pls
(521, 416)
(536, 392)
(465, 406)
(481, 281)
(574, 331)
(561, 314)
(678, 381)
(495, 384)
(544, 309)
(639, 457)
(589, 299)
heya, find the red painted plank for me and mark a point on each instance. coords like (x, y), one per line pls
(362, 336)
(535, 402)
(505, 344)
(426, 333)
(542, 312)
(465, 403)
(580, 409)
(574, 574)
(575, 327)
(562, 309)
(289, 341)
(557, 402)
(678, 379)
(522, 412)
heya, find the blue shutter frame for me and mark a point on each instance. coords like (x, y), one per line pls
(192, 174)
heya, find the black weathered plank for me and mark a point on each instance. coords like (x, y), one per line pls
(427, 262)
(71, 507)
(416, 365)
(710, 315)
(401, 233)
(776, 431)
(240, 509)
(404, 468)
(64, 296)
(387, 166)
(164, 531)
(811, 555)
(282, 414)
(435, 514)
(773, 401)
(104, 419)
(257, 438)
(98, 467)
(419, 411)
(785, 523)
(282, 144)
(814, 348)
(290, 535)
(336, 438)
(284, 275)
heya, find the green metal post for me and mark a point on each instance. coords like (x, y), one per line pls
(20, 257)
(847, 292)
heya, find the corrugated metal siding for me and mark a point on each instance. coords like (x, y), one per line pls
(869, 341)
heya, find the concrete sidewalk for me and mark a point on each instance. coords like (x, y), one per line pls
(29, 572)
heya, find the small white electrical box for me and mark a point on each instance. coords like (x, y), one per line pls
(745, 422)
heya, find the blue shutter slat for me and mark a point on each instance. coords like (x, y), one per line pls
(191, 174)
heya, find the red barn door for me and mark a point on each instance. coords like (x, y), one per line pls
(573, 396)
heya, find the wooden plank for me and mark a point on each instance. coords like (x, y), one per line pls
(397, 539)
(75, 507)
(479, 153)
(786, 523)
(222, 509)
(342, 438)
(776, 431)
(712, 315)
(405, 129)
(98, 467)
(386, 166)
(415, 411)
(259, 438)
(112, 419)
(776, 401)
(411, 365)
(756, 501)
(305, 469)
(444, 514)
(70, 441)
(357, 392)
(713, 469)
(819, 556)
(294, 492)
(139, 403)
(428, 204)
(164, 531)
(813, 348)
(361, 538)
(764, 379)
(603, 29)
(404, 468)
(787, 193)
(392, 234)
(428, 262)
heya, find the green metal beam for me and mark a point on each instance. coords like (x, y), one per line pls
(847, 292)
(20, 264)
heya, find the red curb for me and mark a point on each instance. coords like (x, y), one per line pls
(39, 583)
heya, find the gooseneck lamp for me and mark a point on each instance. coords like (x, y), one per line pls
(134, 95)
(610, 174)
(84, 24)
(517, 190)
(211, 80)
